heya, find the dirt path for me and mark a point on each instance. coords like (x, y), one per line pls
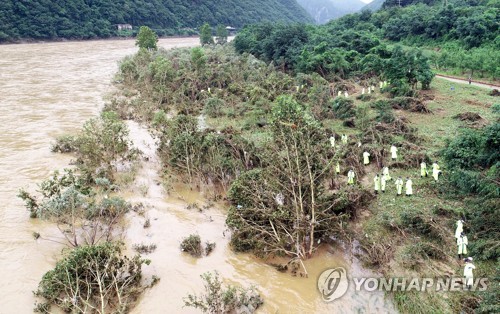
(462, 81)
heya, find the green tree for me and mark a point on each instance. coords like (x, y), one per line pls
(221, 34)
(206, 34)
(147, 38)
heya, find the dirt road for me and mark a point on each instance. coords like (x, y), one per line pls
(462, 81)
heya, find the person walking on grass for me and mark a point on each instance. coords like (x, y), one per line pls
(376, 180)
(344, 138)
(394, 152)
(436, 171)
(469, 276)
(332, 141)
(399, 186)
(423, 169)
(383, 183)
(350, 177)
(462, 243)
(385, 173)
(409, 187)
(366, 158)
(337, 168)
(459, 229)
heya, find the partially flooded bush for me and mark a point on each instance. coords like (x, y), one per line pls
(100, 144)
(209, 247)
(192, 245)
(64, 144)
(92, 277)
(221, 300)
(83, 215)
(144, 248)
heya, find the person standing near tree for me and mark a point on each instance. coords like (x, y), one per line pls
(399, 186)
(470, 80)
(350, 177)
(366, 158)
(394, 152)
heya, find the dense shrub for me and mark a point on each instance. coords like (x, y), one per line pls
(92, 277)
(343, 108)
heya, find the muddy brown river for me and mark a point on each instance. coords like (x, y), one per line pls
(50, 89)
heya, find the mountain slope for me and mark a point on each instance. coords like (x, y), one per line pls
(76, 19)
(323, 11)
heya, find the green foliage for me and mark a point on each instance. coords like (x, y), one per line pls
(474, 162)
(333, 51)
(101, 143)
(215, 158)
(146, 38)
(384, 111)
(213, 107)
(92, 277)
(198, 58)
(287, 196)
(74, 19)
(343, 108)
(217, 299)
(206, 37)
(490, 297)
(221, 34)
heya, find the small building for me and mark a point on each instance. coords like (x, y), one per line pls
(122, 27)
(231, 30)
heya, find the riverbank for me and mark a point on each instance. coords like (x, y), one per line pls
(64, 40)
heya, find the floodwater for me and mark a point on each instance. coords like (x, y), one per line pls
(50, 89)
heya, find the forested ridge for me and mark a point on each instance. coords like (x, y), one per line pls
(86, 19)
(460, 36)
